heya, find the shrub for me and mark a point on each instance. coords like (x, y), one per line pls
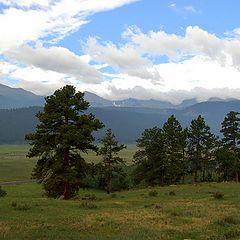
(153, 193)
(3, 193)
(90, 197)
(87, 205)
(234, 220)
(20, 206)
(113, 195)
(171, 193)
(218, 195)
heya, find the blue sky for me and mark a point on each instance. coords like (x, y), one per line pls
(166, 50)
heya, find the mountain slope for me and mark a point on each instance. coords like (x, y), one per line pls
(17, 98)
(127, 123)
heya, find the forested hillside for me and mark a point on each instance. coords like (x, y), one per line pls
(127, 123)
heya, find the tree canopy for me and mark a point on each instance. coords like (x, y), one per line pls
(63, 133)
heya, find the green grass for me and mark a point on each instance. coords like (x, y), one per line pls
(14, 165)
(191, 213)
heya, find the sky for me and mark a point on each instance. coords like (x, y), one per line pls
(118, 49)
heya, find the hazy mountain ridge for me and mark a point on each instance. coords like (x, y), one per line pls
(127, 123)
(18, 98)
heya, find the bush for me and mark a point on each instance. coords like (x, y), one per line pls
(218, 195)
(90, 197)
(87, 205)
(234, 220)
(20, 206)
(153, 193)
(3, 193)
(113, 195)
(171, 193)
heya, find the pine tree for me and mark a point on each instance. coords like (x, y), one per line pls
(174, 147)
(150, 160)
(62, 134)
(231, 138)
(200, 145)
(111, 163)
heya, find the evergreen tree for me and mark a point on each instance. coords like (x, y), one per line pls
(62, 134)
(200, 146)
(150, 160)
(225, 163)
(231, 138)
(175, 143)
(111, 163)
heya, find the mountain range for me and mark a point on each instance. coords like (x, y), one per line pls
(127, 118)
(18, 97)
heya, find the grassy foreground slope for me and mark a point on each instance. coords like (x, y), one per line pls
(192, 213)
(189, 212)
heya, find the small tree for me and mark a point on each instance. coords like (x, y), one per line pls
(111, 163)
(62, 134)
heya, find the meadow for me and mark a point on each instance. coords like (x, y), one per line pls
(171, 212)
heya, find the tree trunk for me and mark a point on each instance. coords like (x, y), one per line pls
(236, 176)
(162, 179)
(203, 175)
(109, 186)
(66, 193)
(195, 177)
(183, 179)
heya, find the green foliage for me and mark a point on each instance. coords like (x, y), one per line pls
(231, 142)
(20, 206)
(161, 158)
(231, 219)
(88, 205)
(172, 193)
(152, 193)
(218, 195)
(62, 134)
(150, 160)
(201, 147)
(90, 197)
(3, 193)
(111, 166)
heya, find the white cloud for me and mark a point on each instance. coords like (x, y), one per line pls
(56, 59)
(182, 9)
(196, 41)
(126, 59)
(199, 78)
(190, 8)
(20, 22)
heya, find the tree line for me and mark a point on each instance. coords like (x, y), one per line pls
(166, 155)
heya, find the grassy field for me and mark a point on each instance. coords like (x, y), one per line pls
(173, 212)
(14, 165)
(192, 213)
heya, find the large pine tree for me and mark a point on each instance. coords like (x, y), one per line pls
(63, 132)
